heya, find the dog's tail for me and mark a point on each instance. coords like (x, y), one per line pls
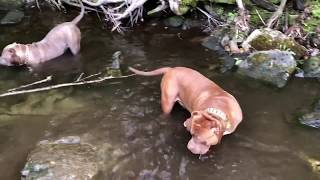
(79, 17)
(150, 73)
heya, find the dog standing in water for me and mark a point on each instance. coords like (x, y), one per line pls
(54, 44)
(214, 112)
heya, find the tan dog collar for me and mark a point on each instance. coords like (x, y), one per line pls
(220, 115)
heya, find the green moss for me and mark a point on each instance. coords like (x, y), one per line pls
(266, 42)
(192, 3)
(311, 24)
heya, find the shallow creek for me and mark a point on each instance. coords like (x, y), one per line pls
(125, 114)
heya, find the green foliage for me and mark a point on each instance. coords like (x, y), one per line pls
(231, 16)
(192, 3)
(314, 21)
(316, 10)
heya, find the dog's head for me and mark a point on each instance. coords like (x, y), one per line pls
(206, 130)
(9, 55)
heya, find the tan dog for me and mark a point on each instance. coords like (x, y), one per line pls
(214, 112)
(61, 37)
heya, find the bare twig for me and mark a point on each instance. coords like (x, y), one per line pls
(99, 80)
(49, 78)
(260, 17)
(275, 16)
(79, 78)
(90, 76)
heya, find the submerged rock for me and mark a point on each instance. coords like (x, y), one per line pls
(61, 160)
(311, 67)
(52, 102)
(273, 66)
(268, 39)
(214, 43)
(10, 4)
(12, 17)
(312, 119)
(174, 21)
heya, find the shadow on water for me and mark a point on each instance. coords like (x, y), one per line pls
(127, 117)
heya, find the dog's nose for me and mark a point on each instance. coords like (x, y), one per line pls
(197, 148)
(4, 62)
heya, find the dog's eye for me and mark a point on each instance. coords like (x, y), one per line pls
(11, 50)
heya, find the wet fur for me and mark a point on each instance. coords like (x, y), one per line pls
(60, 38)
(197, 93)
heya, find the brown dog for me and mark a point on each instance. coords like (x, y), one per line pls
(214, 112)
(61, 37)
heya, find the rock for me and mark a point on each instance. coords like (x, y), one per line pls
(191, 23)
(311, 67)
(6, 5)
(312, 119)
(268, 39)
(213, 43)
(315, 40)
(174, 21)
(12, 17)
(61, 160)
(273, 66)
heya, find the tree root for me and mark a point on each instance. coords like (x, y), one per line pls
(274, 18)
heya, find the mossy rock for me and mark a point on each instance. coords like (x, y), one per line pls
(53, 160)
(311, 67)
(271, 66)
(47, 103)
(267, 39)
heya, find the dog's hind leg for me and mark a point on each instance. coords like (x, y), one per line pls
(74, 41)
(169, 94)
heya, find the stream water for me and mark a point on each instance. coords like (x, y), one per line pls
(125, 114)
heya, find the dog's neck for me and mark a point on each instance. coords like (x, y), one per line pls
(220, 115)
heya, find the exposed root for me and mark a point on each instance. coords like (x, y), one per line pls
(115, 11)
(161, 7)
(274, 18)
(212, 22)
(242, 20)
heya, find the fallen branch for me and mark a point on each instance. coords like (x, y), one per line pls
(80, 82)
(49, 78)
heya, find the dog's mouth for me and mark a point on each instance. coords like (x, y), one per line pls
(198, 147)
